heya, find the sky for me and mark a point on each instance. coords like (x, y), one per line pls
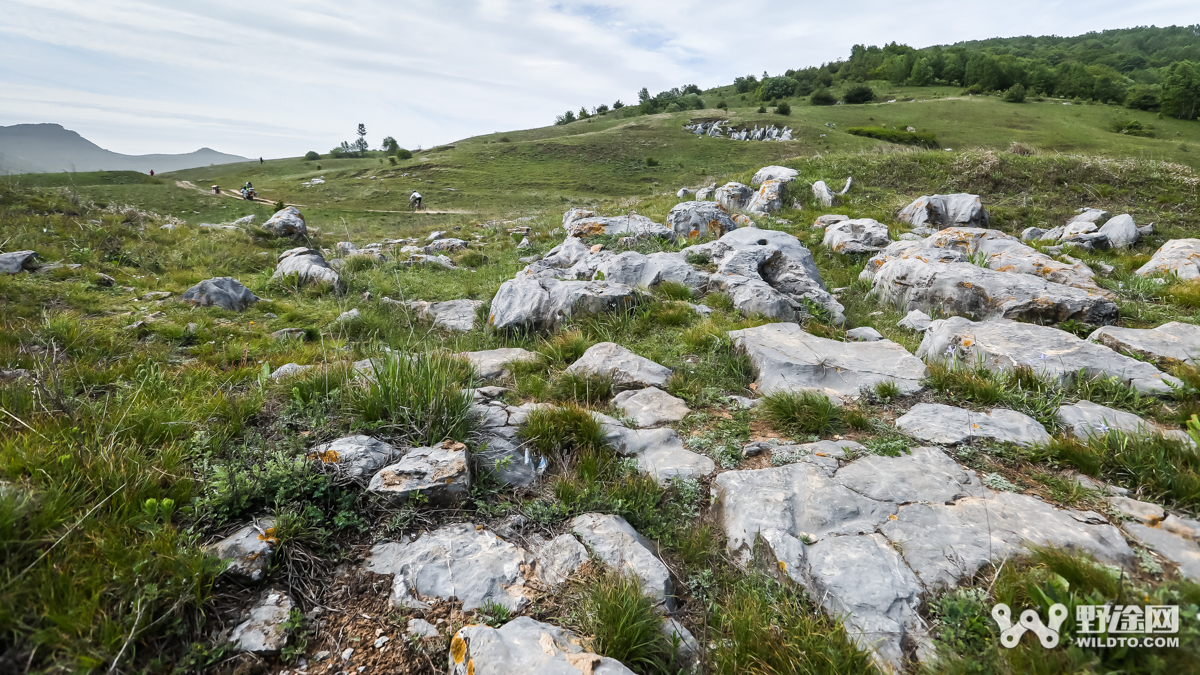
(276, 79)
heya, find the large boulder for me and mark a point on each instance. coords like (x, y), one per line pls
(940, 211)
(531, 302)
(1121, 231)
(651, 406)
(963, 289)
(780, 173)
(768, 272)
(631, 268)
(768, 199)
(18, 261)
(1003, 345)
(620, 546)
(733, 196)
(224, 292)
(1180, 257)
(525, 645)
(948, 425)
(287, 223)
(263, 631)
(699, 219)
(627, 370)
(1167, 345)
(618, 226)
(862, 235)
(786, 358)
(306, 265)
(440, 473)
(455, 561)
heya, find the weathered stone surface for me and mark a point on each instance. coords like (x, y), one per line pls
(690, 651)
(940, 211)
(733, 196)
(422, 629)
(542, 303)
(224, 292)
(355, 456)
(1182, 551)
(248, 550)
(915, 320)
(699, 219)
(307, 265)
(822, 193)
(558, 559)
(1002, 345)
(18, 261)
(445, 245)
(825, 221)
(768, 272)
(863, 334)
(963, 289)
(1167, 345)
(705, 193)
(456, 561)
(862, 235)
(349, 316)
(262, 632)
(500, 454)
(1121, 231)
(627, 370)
(288, 370)
(786, 358)
(525, 645)
(620, 546)
(634, 269)
(287, 223)
(948, 425)
(632, 225)
(780, 173)
(651, 406)
(1144, 512)
(1086, 419)
(768, 199)
(490, 364)
(456, 315)
(440, 473)
(1180, 257)
(659, 452)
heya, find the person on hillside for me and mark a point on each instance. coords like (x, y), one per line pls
(260, 160)
(414, 200)
(152, 172)
(216, 189)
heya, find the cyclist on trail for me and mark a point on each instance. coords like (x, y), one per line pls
(414, 200)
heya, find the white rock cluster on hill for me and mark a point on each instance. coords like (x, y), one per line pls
(1092, 229)
(722, 129)
(930, 213)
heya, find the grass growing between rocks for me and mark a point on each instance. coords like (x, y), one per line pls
(623, 622)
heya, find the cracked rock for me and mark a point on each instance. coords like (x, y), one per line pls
(439, 473)
(263, 631)
(651, 406)
(525, 645)
(948, 425)
(249, 550)
(620, 546)
(627, 370)
(1166, 345)
(355, 456)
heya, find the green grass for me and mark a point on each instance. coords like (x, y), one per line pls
(804, 412)
(623, 622)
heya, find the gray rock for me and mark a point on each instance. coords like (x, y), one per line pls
(287, 223)
(422, 629)
(620, 546)
(1185, 553)
(288, 370)
(781, 173)
(768, 199)
(1180, 257)
(1144, 512)
(689, 651)
(659, 452)
(862, 235)
(346, 247)
(627, 370)
(349, 316)
(224, 292)
(786, 358)
(733, 196)
(249, 550)
(822, 193)
(525, 645)
(558, 559)
(705, 193)
(648, 271)
(263, 632)
(941, 211)
(651, 406)
(632, 225)
(440, 473)
(1032, 233)
(827, 455)
(307, 265)
(1120, 231)
(528, 259)
(456, 315)
(355, 456)
(915, 320)
(245, 220)
(501, 456)
(525, 243)
(1086, 419)
(455, 561)
(18, 261)
(446, 245)
(288, 334)
(540, 303)
(683, 192)
(435, 260)
(1002, 345)
(948, 425)
(699, 219)
(963, 289)
(825, 221)
(1088, 214)
(1166, 345)
(490, 364)
(1078, 227)
(863, 334)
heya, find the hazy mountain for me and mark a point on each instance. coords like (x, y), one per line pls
(41, 148)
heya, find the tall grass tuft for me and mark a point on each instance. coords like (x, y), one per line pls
(624, 622)
(1161, 468)
(807, 412)
(420, 396)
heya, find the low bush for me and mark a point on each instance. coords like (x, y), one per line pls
(311, 155)
(806, 412)
(920, 139)
(822, 97)
(623, 622)
(783, 109)
(859, 94)
(419, 396)
(403, 154)
(1015, 93)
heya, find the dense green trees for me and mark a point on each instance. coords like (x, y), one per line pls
(1181, 91)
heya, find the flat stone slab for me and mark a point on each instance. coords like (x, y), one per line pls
(659, 452)
(355, 456)
(439, 473)
(492, 363)
(1180, 257)
(248, 550)
(948, 425)
(1166, 345)
(627, 370)
(651, 406)
(620, 546)
(456, 561)
(1086, 419)
(1003, 345)
(786, 358)
(262, 632)
(455, 315)
(861, 235)
(1183, 552)
(224, 292)
(525, 645)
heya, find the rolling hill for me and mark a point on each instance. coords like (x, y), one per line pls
(42, 148)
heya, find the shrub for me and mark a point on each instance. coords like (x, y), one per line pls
(419, 396)
(565, 118)
(822, 96)
(761, 109)
(279, 205)
(624, 622)
(722, 105)
(783, 109)
(1143, 97)
(403, 154)
(311, 155)
(581, 387)
(563, 434)
(1130, 127)
(392, 161)
(807, 412)
(921, 139)
(859, 94)
(650, 161)
(1015, 93)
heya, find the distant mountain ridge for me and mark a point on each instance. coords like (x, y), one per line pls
(45, 148)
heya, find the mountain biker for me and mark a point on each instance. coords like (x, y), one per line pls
(414, 200)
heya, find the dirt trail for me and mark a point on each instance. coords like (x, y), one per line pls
(429, 211)
(189, 185)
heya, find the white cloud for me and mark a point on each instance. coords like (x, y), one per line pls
(277, 78)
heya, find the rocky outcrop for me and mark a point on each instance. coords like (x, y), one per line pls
(1167, 345)
(948, 425)
(626, 369)
(532, 302)
(733, 196)
(454, 315)
(18, 261)
(263, 630)
(699, 219)
(356, 457)
(525, 645)
(1121, 232)
(1002, 345)
(490, 364)
(651, 406)
(862, 235)
(620, 546)
(306, 265)
(786, 358)
(768, 199)
(440, 473)
(1085, 420)
(1180, 257)
(941, 211)
(224, 292)
(773, 172)
(287, 223)
(586, 224)
(631, 268)
(659, 452)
